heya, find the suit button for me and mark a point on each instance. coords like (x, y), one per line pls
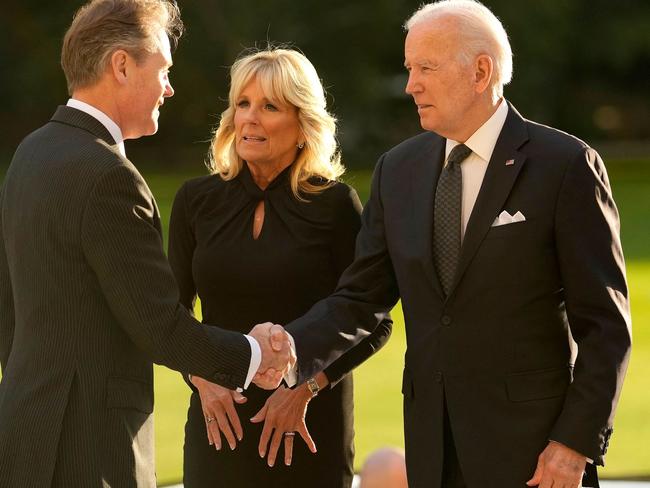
(437, 377)
(445, 320)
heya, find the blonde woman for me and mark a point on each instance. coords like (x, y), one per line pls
(262, 238)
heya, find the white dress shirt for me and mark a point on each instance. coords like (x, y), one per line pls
(116, 133)
(473, 168)
(105, 120)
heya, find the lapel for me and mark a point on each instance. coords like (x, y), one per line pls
(425, 173)
(496, 187)
(77, 118)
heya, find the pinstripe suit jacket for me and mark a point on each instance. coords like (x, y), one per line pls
(88, 302)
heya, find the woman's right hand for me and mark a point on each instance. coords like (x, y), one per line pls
(218, 404)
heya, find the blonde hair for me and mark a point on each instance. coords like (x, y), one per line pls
(481, 33)
(101, 27)
(287, 77)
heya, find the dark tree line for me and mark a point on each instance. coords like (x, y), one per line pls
(581, 65)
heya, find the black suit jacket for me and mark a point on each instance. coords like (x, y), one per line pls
(497, 350)
(88, 302)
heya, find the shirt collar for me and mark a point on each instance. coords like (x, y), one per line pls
(104, 119)
(482, 142)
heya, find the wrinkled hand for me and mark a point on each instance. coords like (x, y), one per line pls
(278, 357)
(558, 466)
(284, 411)
(219, 412)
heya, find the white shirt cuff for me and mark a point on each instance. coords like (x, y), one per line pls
(256, 359)
(291, 378)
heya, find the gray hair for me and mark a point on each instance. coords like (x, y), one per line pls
(101, 27)
(481, 32)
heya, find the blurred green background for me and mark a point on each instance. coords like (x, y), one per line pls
(580, 65)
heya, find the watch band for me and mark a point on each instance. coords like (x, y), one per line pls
(313, 387)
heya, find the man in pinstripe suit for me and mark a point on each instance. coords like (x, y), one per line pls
(87, 300)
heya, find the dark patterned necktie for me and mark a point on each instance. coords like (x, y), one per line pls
(446, 217)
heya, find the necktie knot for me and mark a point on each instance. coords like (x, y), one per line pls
(458, 154)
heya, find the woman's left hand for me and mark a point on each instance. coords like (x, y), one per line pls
(284, 412)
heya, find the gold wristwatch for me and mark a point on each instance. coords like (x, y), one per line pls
(313, 387)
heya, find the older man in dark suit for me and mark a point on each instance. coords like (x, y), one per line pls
(501, 237)
(87, 298)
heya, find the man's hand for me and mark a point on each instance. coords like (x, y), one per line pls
(277, 355)
(559, 467)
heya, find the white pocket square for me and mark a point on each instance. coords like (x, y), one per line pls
(505, 218)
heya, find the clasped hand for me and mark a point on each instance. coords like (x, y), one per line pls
(278, 357)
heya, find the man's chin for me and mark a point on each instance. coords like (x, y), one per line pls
(143, 133)
(152, 129)
(426, 124)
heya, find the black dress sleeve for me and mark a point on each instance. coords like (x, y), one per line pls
(348, 223)
(181, 249)
(180, 252)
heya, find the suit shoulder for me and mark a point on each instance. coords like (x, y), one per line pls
(411, 145)
(62, 144)
(399, 158)
(552, 140)
(69, 155)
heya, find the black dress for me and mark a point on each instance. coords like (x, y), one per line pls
(300, 253)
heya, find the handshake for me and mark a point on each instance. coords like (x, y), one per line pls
(278, 355)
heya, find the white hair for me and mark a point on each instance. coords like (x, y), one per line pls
(481, 33)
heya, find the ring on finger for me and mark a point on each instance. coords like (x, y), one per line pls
(209, 419)
(289, 434)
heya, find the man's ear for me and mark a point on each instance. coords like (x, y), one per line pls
(484, 70)
(118, 65)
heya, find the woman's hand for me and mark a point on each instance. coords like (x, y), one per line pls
(284, 412)
(219, 412)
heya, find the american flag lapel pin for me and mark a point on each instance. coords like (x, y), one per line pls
(510, 162)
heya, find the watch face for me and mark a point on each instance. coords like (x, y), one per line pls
(313, 386)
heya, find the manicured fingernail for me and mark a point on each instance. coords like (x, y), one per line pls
(239, 438)
(288, 462)
(211, 442)
(270, 464)
(218, 447)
